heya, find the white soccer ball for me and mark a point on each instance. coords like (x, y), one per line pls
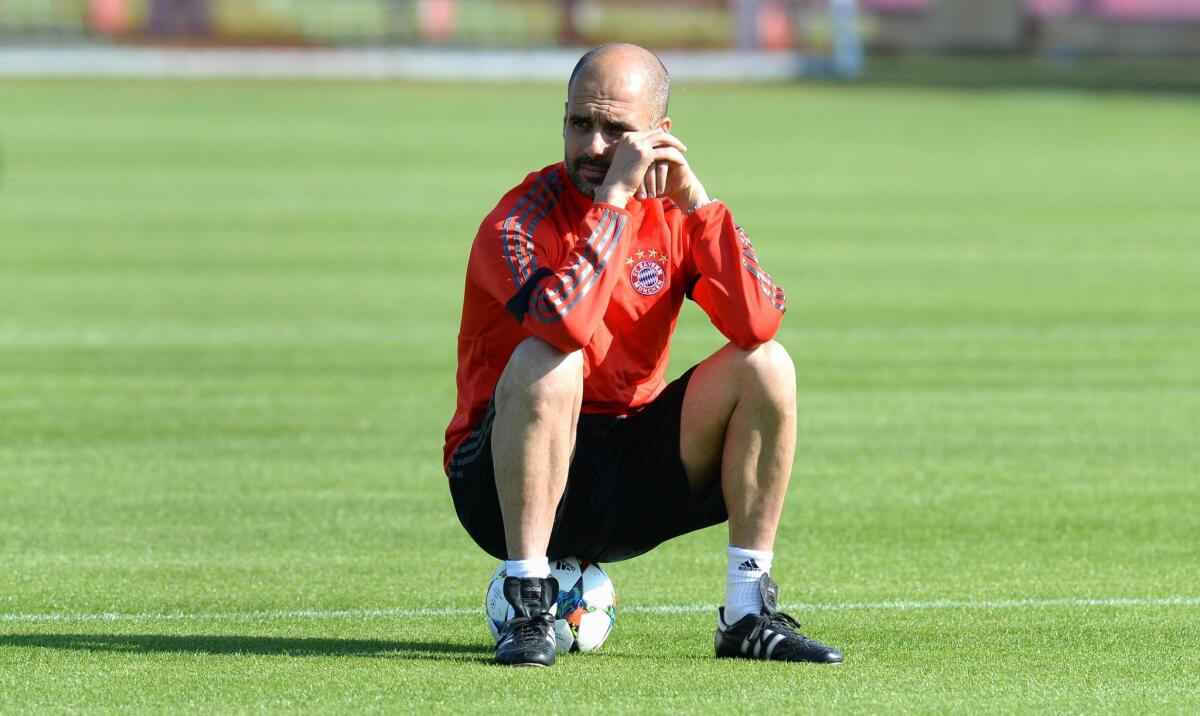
(584, 611)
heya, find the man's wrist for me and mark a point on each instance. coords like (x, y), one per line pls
(696, 198)
(611, 195)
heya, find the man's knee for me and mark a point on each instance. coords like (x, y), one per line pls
(542, 375)
(768, 371)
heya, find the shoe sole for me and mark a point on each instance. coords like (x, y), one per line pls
(781, 661)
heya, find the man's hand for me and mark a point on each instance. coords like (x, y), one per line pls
(650, 165)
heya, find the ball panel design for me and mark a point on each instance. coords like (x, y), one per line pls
(593, 630)
(597, 587)
(564, 637)
(496, 607)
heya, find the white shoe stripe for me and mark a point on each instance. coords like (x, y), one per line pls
(774, 643)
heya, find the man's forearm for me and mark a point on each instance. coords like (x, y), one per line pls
(739, 296)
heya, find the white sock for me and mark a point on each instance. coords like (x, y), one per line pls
(531, 567)
(746, 568)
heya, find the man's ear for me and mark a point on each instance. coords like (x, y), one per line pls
(665, 125)
(564, 118)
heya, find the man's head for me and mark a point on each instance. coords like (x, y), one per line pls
(614, 89)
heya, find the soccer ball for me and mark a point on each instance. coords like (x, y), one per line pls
(584, 612)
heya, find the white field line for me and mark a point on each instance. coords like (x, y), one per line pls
(896, 605)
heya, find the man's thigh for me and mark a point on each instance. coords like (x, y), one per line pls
(711, 397)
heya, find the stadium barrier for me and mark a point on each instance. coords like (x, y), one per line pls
(811, 26)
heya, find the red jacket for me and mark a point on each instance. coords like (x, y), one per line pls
(550, 263)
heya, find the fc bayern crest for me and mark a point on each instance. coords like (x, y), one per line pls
(647, 277)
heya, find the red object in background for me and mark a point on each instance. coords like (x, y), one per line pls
(108, 17)
(437, 19)
(774, 26)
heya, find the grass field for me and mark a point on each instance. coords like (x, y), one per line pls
(227, 353)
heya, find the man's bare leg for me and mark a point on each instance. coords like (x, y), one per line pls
(533, 436)
(739, 425)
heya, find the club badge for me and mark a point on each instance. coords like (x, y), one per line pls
(647, 274)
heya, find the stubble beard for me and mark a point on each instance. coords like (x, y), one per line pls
(574, 170)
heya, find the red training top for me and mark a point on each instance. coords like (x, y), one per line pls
(549, 262)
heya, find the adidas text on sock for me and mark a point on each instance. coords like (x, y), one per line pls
(746, 568)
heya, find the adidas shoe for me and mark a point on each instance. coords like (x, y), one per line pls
(770, 635)
(528, 638)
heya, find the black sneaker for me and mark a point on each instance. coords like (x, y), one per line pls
(771, 635)
(528, 638)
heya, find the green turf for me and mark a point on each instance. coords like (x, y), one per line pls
(226, 361)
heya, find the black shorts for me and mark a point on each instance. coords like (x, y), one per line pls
(626, 491)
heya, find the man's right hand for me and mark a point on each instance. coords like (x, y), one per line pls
(633, 155)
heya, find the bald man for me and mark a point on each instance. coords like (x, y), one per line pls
(567, 439)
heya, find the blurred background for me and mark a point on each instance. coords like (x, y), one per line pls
(1154, 43)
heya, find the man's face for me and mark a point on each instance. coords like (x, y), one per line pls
(601, 108)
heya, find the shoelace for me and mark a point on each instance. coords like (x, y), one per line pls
(530, 630)
(778, 622)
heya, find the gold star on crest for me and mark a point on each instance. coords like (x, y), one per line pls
(653, 253)
(628, 260)
(663, 259)
(640, 254)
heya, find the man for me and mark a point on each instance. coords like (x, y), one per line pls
(567, 440)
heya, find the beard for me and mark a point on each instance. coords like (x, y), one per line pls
(586, 185)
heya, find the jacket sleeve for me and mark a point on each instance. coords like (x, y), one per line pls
(728, 282)
(557, 291)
